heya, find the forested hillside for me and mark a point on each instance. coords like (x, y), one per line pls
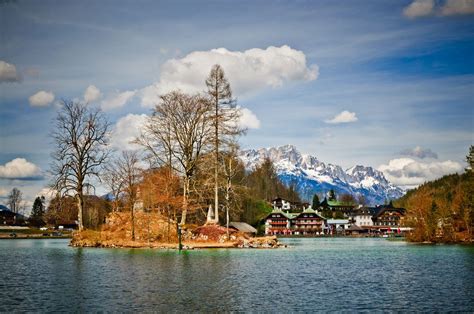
(441, 210)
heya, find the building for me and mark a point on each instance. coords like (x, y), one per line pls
(9, 218)
(362, 216)
(388, 217)
(307, 222)
(242, 227)
(285, 205)
(278, 223)
(337, 226)
(336, 207)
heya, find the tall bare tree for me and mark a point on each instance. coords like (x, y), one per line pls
(180, 125)
(15, 198)
(232, 167)
(81, 139)
(225, 117)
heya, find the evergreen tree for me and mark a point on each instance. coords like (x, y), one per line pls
(315, 201)
(332, 195)
(470, 159)
(37, 212)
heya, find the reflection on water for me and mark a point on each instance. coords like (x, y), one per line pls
(310, 275)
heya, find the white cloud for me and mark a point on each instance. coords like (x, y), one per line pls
(247, 71)
(92, 94)
(343, 117)
(126, 130)
(419, 8)
(21, 169)
(408, 172)
(41, 99)
(458, 7)
(8, 72)
(420, 152)
(117, 100)
(248, 119)
(3, 192)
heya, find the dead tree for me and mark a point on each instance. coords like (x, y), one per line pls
(81, 139)
(15, 198)
(225, 119)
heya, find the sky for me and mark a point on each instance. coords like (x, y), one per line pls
(387, 84)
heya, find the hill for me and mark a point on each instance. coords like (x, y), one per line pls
(441, 210)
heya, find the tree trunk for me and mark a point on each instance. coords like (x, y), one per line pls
(216, 163)
(132, 212)
(227, 215)
(185, 200)
(80, 207)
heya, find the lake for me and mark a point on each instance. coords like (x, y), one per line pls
(317, 274)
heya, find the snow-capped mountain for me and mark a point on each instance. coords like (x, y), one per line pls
(313, 176)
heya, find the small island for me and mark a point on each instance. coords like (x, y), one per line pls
(152, 230)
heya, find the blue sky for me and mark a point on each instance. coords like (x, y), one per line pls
(400, 75)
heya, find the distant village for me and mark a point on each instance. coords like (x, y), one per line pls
(290, 218)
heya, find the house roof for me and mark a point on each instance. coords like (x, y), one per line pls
(309, 211)
(279, 211)
(384, 208)
(242, 226)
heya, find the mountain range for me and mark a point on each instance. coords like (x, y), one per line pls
(311, 176)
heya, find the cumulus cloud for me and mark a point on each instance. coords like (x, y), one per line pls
(8, 72)
(92, 94)
(20, 169)
(458, 7)
(3, 192)
(419, 8)
(117, 100)
(41, 99)
(419, 152)
(248, 119)
(126, 130)
(248, 71)
(408, 172)
(343, 117)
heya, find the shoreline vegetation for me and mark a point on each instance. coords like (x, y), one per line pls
(153, 230)
(441, 211)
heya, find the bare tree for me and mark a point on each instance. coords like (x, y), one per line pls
(81, 139)
(128, 174)
(179, 126)
(15, 198)
(111, 178)
(225, 117)
(232, 168)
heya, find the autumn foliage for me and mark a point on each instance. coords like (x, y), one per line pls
(441, 210)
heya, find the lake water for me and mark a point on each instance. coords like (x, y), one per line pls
(311, 275)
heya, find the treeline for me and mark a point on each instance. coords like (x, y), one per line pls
(251, 202)
(186, 170)
(442, 210)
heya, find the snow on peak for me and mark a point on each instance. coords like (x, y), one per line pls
(315, 176)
